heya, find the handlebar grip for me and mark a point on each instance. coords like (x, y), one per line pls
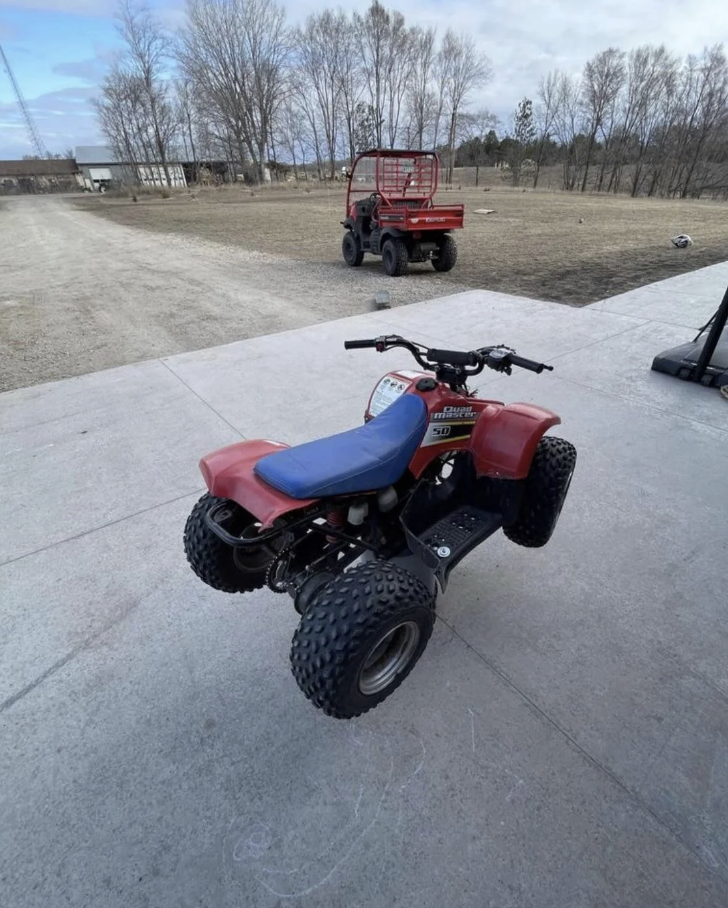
(359, 344)
(529, 364)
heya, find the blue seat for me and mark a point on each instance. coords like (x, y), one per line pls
(371, 457)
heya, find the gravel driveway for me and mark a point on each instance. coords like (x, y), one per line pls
(79, 293)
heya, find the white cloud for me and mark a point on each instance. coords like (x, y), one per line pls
(65, 118)
(91, 71)
(526, 38)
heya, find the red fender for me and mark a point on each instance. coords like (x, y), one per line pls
(504, 439)
(229, 473)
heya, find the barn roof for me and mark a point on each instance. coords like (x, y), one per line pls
(38, 167)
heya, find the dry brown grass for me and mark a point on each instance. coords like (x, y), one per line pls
(533, 245)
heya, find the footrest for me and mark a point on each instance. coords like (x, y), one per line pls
(447, 518)
(464, 526)
(447, 541)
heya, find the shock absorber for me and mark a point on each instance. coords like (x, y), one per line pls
(336, 519)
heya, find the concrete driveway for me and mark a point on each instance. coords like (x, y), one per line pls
(563, 741)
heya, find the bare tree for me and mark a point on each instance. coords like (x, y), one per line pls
(236, 53)
(661, 122)
(477, 130)
(462, 70)
(701, 130)
(352, 78)
(524, 135)
(602, 81)
(294, 134)
(145, 58)
(320, 67)
(122, 115)
(372, 31)
(399, 74)
(568, 127)
(352, 86)
(421, 100)
(386, 65)
(187, 117)
(307, 106)
(650, 79)
(544, 116)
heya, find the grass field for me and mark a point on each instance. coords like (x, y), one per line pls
(533, 245)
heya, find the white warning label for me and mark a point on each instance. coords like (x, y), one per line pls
(386, 392)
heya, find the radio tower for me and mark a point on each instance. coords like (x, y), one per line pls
(33, 134)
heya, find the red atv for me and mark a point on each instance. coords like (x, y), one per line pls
(360, 528)
(390, 212)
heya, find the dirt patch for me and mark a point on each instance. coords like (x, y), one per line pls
(91, 282)
(81, 293)
(533, 245)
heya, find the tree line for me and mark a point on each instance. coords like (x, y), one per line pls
(644, 122)
(238, 83)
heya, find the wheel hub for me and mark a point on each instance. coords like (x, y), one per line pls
(388, 657)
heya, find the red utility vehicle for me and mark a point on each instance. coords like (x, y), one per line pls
(390, 212)
(361, 527)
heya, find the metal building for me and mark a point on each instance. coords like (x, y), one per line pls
(101, 168)
(39, 175)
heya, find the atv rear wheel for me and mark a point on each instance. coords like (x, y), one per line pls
(447, 254)
(220, 565)
(394, 257)
(351, 250)
(360, 637)
(547, 484)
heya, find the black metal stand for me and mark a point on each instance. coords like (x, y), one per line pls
(702, 360)
(711, 341)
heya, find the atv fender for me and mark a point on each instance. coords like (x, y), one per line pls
(393, 233)
(230, 473)
(505, 439)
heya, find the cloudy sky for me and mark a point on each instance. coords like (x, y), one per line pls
(59, 49)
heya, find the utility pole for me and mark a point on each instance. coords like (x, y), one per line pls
(33, 134)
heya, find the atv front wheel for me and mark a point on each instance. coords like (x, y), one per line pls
(351, 250)
(547, 483)
(220, 565)
(394, 257)
(447, 254)
(360, 637)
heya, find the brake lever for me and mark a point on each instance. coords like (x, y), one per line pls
(384, 341)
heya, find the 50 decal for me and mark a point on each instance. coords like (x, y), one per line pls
(437, 433)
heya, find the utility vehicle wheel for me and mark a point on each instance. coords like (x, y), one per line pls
(360, 637)
(547, 483)
(218, 564)
(351, 250)
(447, 254)
(394, 257)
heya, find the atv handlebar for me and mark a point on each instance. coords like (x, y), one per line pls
(529, 364)
(453, 357)
(359, 344)
(453, 365)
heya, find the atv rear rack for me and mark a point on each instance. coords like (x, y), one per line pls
(219, 514)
